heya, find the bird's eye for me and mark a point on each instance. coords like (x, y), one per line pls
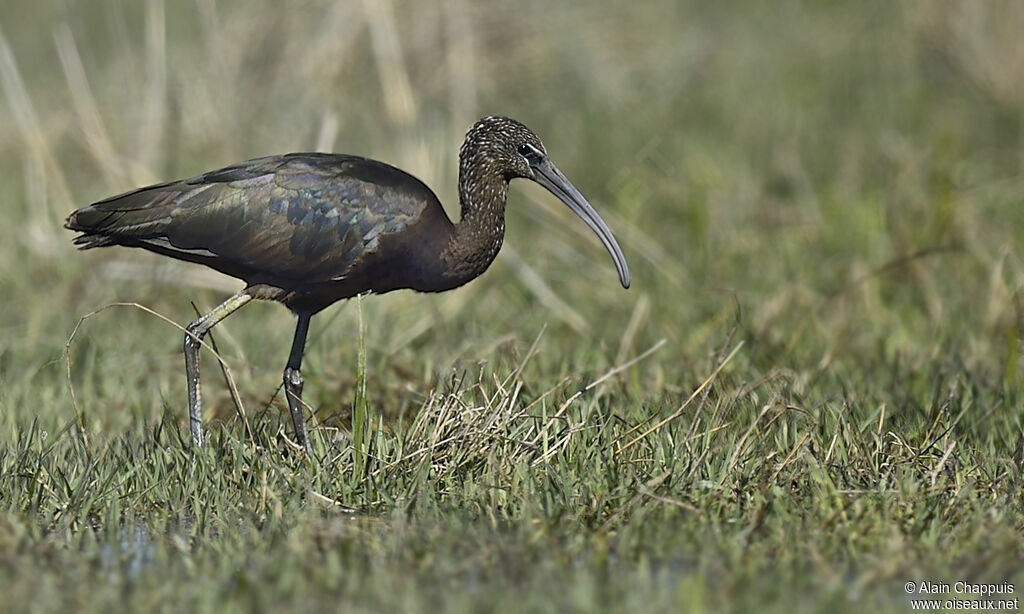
(529, 152)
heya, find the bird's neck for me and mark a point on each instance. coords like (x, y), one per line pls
(478, 235)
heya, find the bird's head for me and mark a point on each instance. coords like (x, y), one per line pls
(509, 148)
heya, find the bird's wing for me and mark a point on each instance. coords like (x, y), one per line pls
(298, 217)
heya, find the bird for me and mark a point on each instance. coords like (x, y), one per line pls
(310, 229)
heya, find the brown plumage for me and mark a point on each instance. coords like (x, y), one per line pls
(311, 229)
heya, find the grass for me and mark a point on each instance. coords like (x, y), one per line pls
(810, 396)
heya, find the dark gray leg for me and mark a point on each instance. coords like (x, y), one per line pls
(193, 341)
(293, 381)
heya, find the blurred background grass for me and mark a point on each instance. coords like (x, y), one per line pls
(835, 178)
(835, 184)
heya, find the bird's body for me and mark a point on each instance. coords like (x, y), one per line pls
(310, 229)
(303, 229)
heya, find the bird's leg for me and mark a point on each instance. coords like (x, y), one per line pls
(293, 381)
(194, 334)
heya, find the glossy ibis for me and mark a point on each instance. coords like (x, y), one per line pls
(309, 229)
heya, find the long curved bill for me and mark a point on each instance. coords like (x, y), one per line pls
(548, 175)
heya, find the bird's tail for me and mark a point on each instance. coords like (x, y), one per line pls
(125, 219)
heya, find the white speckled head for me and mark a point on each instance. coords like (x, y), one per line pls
(498, 149)
(495, 142)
